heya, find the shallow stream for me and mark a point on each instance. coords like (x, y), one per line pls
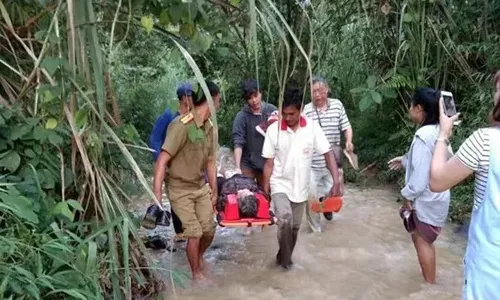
(364, 253)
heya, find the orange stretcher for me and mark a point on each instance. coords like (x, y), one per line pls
(230, 217)
(330, 204)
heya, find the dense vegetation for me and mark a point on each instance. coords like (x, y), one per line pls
(81, 83)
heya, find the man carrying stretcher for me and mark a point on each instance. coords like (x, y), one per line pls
(288, 147)
(188, 152)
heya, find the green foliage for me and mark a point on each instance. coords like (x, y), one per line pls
(38, 257)
(43, 262)
(61, 162)
(195, 134)
(146, 75)
(370, 94)
(30, 161)
(225, 117)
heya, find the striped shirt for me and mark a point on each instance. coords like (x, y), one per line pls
(475, 154)
(333, 121)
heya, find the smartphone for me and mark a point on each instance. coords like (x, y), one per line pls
(449, 103)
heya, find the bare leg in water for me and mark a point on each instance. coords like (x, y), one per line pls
(205, 242)
(193, 255)
(426, 257)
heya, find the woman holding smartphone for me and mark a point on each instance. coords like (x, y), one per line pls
(479, 154)
(424, 211)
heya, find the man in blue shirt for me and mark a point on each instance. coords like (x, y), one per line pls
(185, 95)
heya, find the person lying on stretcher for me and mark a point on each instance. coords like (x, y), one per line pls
(244, 187)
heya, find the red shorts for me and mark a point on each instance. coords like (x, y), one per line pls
(428, 232)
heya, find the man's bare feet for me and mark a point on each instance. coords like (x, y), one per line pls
(198, 277)
(201, 282)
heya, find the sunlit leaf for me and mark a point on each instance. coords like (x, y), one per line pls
(51, 123)
(47, 96)
(187, 30)
(75, 204)
(81, 118)
(235, 2)
(62, 208)
(147, 22)
(164, 18)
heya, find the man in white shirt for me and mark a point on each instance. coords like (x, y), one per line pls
(331, 116)
(288, 150)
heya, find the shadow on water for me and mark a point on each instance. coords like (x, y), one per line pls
(364, 253)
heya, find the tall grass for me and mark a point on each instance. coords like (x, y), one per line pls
(63, 85)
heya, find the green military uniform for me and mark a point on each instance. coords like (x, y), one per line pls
(189, 142)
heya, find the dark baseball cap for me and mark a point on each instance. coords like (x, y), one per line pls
(185, 89)
(249, 87)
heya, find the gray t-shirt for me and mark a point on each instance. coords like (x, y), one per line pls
(248, 138)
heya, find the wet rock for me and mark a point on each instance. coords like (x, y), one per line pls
(157, 242)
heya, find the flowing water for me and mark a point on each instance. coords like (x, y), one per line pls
(364, 253)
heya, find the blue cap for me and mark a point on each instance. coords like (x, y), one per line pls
(185, 89)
